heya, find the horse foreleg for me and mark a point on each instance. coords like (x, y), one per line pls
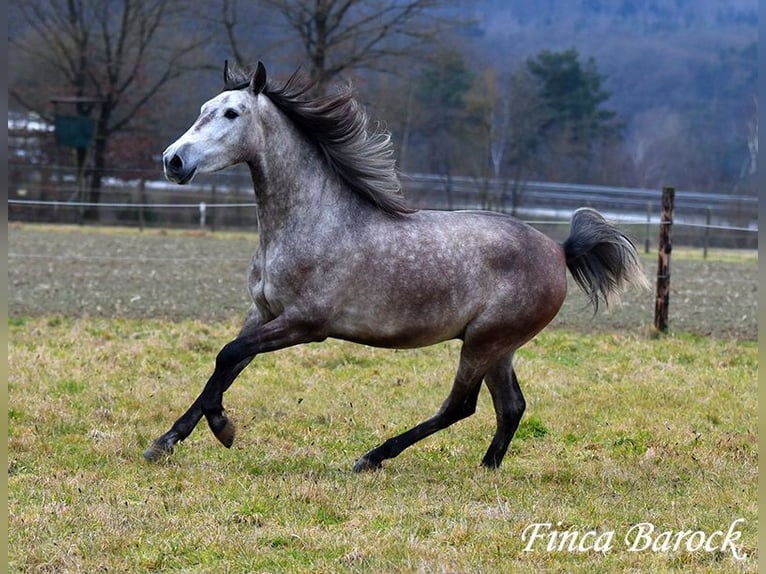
(231, 360)
(222, 427)
(460, 403)
(509, 404)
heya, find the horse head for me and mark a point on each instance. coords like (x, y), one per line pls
(222, 134)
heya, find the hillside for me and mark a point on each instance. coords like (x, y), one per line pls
(682, 73)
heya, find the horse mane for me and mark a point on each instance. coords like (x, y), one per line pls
(339, 126)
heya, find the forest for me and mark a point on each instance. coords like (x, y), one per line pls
(627, 93)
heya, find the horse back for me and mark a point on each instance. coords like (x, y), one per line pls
(423, 278)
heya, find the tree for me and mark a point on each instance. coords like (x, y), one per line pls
(337, 37)
(574, 120)
(121, 53)
(526, 115)
(750, 166)
(440, 95)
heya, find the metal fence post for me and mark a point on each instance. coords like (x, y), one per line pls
(141, 196)
(202, 214)
(648, 225)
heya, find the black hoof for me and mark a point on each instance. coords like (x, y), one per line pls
(366, 465)
(491, 462)
(159, 450)
(223, 429)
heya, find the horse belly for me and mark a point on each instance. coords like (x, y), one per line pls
(397, 332)
(404, 317)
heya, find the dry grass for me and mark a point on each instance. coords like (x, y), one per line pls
(620, 429)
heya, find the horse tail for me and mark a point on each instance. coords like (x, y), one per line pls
(601, 258)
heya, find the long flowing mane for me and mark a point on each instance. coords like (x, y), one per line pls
(339, 126)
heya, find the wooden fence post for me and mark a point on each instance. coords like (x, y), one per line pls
(663, 260)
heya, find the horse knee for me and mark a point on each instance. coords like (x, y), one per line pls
(511, 412)
(519, 406)
(230, 354)
(466, 410)
(457, 410)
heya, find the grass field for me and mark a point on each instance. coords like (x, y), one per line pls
(622, 428)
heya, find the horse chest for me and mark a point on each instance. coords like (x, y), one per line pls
(281, 278)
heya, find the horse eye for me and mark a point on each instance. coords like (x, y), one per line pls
(230, 114)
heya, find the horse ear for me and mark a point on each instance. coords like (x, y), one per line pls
(258, 83)
(226, 72)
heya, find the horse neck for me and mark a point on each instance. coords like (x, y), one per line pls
(292, 181)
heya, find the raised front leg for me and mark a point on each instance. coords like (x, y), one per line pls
(219, 423)
(231, 360)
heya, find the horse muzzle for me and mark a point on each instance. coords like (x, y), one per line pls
(177, 169)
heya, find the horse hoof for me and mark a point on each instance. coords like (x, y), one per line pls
(224, 430)
(158, 450)
(366, 465)
(490, 464)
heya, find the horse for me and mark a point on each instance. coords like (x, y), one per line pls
(342, 255)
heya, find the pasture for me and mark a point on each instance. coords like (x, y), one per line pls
(112, 333)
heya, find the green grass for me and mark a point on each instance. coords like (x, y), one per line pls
(620, 429)
(715, 255)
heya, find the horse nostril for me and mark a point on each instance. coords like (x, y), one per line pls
(175, 163)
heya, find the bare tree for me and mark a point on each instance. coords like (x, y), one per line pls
(121, 54)
(340, 36)
(653, 146)
(752, 141)
(526, 115)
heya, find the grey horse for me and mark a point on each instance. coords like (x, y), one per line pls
(341, 255)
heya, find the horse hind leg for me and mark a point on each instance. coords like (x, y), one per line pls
(460, 403)
(509, 404)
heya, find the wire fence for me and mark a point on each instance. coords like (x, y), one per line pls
(51, 195)
(96, 274)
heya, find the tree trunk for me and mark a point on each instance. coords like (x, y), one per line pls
(99, 162)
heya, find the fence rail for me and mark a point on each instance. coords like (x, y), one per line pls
(51, 194)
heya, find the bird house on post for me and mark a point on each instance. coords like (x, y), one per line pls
(74, 127)
(72, 121)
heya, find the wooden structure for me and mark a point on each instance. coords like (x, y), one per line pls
(663, 259)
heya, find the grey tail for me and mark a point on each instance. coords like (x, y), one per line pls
(601, 258)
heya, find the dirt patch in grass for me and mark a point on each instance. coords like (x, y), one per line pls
(78, 272)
